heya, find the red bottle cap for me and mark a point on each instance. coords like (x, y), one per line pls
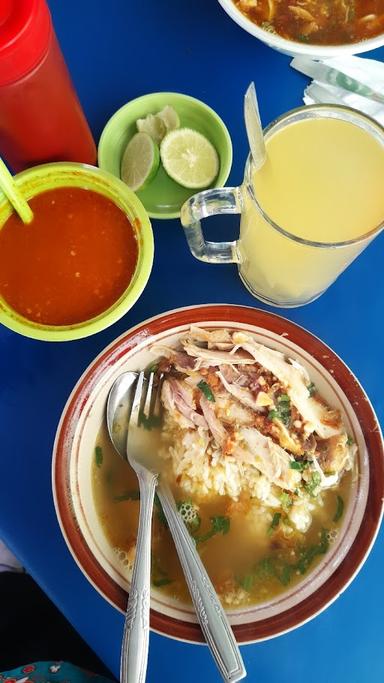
(25, 30)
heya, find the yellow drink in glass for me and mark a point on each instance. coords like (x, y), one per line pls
(313, 206)
(305, 211)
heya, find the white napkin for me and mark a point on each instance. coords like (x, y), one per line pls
(352, 81)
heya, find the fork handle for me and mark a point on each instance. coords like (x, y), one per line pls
(212, 618)
(134, 650)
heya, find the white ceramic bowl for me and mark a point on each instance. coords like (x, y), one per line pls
(74, 448)
(291, 47)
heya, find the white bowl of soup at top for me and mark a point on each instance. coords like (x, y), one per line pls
(293, 47)
(76, 460)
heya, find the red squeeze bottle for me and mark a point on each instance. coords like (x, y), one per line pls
(41, 118)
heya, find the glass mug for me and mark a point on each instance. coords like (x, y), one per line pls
(280, 265)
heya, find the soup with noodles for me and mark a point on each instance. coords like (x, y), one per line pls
(322, 22)
(260, 465)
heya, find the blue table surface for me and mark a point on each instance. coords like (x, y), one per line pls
(116, 51)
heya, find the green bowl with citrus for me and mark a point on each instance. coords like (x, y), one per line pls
(163, 197)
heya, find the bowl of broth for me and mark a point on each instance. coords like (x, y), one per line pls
(317, 28)
(280, 535)
(82, 262)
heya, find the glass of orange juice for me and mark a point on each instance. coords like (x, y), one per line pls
(315, 204)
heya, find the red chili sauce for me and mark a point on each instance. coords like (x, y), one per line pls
(72, 262)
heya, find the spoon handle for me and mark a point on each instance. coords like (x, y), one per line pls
(212, 618)
(134, 650)
(253, 127)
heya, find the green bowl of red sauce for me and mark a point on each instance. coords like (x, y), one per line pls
(82, 262)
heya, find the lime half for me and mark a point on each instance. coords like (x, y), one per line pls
(189, 158)
(140, 161)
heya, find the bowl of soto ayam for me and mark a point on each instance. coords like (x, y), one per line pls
(273, 453)
(316, 28)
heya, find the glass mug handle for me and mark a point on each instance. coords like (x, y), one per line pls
(213, 202)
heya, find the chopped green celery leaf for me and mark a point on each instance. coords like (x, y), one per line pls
(286, 501)
(265, 568)
(159, 511)
(161, 582)
(285, 418)
(156, 568)
(219, 525)
(299, 465)
(312, 389)
(247, 582)
(206, 390)
(275, 522)
(313, 483)
(270, 567)
(286, 574)
(159, 575)
(324, 543)
(306, 559)
(339, 509)
(153, 367)
(148, 422)
(307, 555)
(194, 525)
(284, 398)
(282, 411)
(98, 456)
(127, 495)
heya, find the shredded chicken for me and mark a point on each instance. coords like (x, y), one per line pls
(248, 419)
(318, 417)
(301, 13)
(215, 357)
(175, 396)
(338, 455)
(241, 393)
(218, 339)
(272, 460)
(214, 425)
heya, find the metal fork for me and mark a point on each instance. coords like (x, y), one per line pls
(212, 618)
(134, 652)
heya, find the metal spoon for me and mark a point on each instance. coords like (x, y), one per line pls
(211, 616)
(139, 451)
(254, 127)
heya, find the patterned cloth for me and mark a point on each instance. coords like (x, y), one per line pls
(51, 672)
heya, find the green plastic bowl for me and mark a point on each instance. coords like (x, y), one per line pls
(49, 176)
(163, 198)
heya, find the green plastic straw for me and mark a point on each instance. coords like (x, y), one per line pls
(12, 192)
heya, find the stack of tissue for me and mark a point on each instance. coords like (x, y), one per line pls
(351, 81)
